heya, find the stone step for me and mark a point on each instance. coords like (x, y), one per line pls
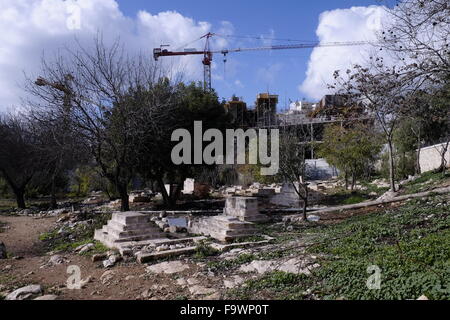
(128, 218)
(258, 218)
(227, 238)
(147, 257)
(161, 241)
(123, 227)
(120, 234)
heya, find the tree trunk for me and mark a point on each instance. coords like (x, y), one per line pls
(419, 146)
(305, 206)
(391, 165)
(165, 196)
(20, 197)
(53, 202)
(346, 180)
(125, 202)
(443, 166)
(353, 181)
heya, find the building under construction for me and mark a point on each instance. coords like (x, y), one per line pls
(266, 110)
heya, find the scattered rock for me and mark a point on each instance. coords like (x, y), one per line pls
(146, 294)
(182, 282)
(192, 281)
(201, 291)
(163, 247)
(99, 257)
(84, 248)
(57, 260)
(47, 297)
(233, 282)
(7, 268)
(24, 292)
(295, 265)
(84, 282)
(108, 264)
(111, 261)
(107, 276)
(170, 267)
(313, 218)
(214, 296)
(128, 278)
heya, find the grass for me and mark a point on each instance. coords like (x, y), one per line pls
(7, 206)
(343, 197)
(425, 182)
(410, 244)
(203, 250)
(73, 238)
(223, 265)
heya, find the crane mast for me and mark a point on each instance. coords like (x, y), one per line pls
(208, 54)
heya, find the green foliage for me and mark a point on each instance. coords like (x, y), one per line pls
(410, 244)
(5, 191)
(354, 199)
(217, 266)
(69, 239)
(426, 181)
(204, 250)
(273, 285)
(351, 150)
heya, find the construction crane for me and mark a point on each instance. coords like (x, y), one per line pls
(208, 54)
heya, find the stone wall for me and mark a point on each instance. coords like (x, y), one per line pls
(319, 169)
(430, 157)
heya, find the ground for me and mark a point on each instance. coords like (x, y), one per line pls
(329, 259)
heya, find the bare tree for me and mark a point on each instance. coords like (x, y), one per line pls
(383, 90)
(19, 158)
(418, 32)
(93, 88)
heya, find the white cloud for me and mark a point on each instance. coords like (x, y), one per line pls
(341, 25)
(30, 28)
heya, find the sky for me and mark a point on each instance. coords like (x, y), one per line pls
(33, 28)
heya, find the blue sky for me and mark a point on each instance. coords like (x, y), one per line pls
(33, 28)
(284, 19)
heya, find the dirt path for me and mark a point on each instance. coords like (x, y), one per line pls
(22, 234)
(127, 281)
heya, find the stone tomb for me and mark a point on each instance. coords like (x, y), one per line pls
(222, 228)
(238, 220)
(244, 208)
(125, 227)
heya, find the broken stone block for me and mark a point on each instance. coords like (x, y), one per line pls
(170, 267)
(24, 292)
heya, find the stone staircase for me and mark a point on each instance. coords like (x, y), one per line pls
(222, 228)
(127, 227)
